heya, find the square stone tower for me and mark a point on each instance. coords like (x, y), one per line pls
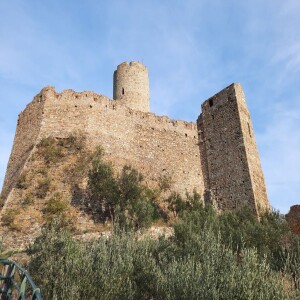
(229, 156)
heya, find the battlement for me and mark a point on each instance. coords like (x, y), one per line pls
(135, 64)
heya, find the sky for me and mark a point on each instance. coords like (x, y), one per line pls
(192, 48)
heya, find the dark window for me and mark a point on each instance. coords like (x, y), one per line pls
(123, 91)
(211, 102)
(249, 129)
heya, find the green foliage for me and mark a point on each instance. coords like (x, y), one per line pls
(175, 203)
(240, 229)
(126, 267)
(103, 187)
(179, 206)
(22, 182)
(133, 205)
(165, 182)
(8, 218)
(28, 199)
(43, 187)
(57, 212)
(122, 199)
(57, 204)
(73, 142)
(55, 263)
(53, 150)
(49, 150)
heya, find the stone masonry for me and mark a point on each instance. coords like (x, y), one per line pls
(216, 156)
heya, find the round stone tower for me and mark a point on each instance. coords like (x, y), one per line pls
(131, 85)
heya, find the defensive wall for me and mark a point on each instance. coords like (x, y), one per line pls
(155, 145)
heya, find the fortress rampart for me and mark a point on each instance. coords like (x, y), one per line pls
(217, 156)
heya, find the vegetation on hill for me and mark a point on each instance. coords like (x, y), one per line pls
(203, 260)
(232, 255)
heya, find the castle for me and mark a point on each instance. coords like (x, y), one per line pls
(217, 155)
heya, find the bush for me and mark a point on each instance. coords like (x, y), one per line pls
(58, 212)
(73, 142)
(49, 150)
(134, 207)
(125, 267)
(165, 182)
(122, 199)
(175, 203)
(103, 187)
(8, 218)
(27, 199)
(53, 150)
(43, 187)
(57, 204)
(22, 182)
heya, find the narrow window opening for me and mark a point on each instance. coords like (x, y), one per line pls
(249, 129)
(211, 102)
(123, 91)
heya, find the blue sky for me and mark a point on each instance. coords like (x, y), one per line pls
(192, 48)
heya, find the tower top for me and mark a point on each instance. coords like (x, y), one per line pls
(131, 85)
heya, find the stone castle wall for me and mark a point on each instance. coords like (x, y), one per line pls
(155, 145)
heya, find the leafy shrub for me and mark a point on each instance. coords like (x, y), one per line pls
(126, 267)
(165, 182)
(58, 211)
(80, 169)
(122, 199)
(43, 187)
(103, 187)
(27, 199)
(73, 142)
(175, 203)
(134, 207)
(49, 150)
(8, 218)
(57, 204)
(22, 182)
